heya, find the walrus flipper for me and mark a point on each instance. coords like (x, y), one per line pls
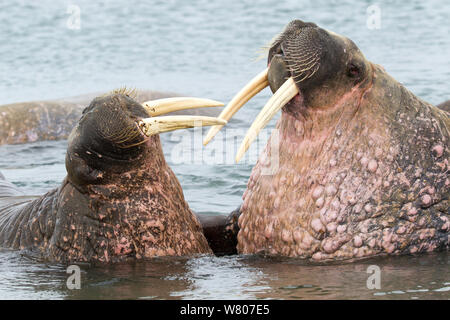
(221, 232)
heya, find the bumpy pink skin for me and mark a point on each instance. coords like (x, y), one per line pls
(142, 214)
(366, 176)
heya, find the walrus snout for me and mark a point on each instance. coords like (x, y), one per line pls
(116, 129)
(278, 72)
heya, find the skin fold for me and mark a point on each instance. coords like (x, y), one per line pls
(362, 165)
(120, 199)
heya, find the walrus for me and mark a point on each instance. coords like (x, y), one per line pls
(444, 106)
(360, 164)
(120, 200)
(26, 122)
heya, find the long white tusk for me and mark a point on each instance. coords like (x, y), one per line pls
(152, 126)
(162, 106)
(246, 93)
(283, 95)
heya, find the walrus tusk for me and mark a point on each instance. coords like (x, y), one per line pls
(155, 125)
(246, 93)
(282, 96)
(162, 106)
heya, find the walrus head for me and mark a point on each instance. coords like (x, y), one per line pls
(120, 198)
(323, 66)
(308, 68)
(361, 163)
(115, 133)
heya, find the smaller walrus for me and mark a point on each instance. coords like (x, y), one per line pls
(358, 166)
(120, 199)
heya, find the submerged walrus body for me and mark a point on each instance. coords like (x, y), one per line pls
(120, 199)
(445, 106)
(26, 122)
(362, 163)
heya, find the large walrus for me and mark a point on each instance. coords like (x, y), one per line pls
(362, 163)
(120, 199)
(33, 121)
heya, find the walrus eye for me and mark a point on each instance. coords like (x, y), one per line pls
(353, 71)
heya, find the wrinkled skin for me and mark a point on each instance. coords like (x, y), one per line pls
(120, 199)
(363, 163)
(26, 122)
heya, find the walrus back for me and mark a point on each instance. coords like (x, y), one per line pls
(36, 121)
(444, 106)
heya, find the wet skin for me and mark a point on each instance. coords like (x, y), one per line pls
(362, 162)
(120, 199)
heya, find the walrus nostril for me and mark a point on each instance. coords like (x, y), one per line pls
(282, 50)
(299, 24)
(353, 70)
(278, 72)
(274, 50)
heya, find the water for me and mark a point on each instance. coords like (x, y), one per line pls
(244, 277)
(207, 49)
